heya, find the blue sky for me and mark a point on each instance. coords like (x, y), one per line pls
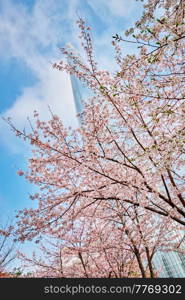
(31, 32)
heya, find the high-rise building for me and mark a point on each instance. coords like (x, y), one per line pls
(76, 85)
(170, 264)
(76, 93)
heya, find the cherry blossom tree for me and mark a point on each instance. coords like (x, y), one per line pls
(120, 242)
(83, 253)
(7, 248)
(123, 169)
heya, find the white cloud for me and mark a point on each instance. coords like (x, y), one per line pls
(54, 90)
(32, 38)
(119, 8)
(116, 16)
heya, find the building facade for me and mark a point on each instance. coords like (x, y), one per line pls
(170, 264)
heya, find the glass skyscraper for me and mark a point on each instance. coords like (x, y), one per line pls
(170, 264)
(77, 88)
(75, 84)
(76, 94)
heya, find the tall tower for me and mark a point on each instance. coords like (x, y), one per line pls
(171, 264)
(76, 93)
(76, 87)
